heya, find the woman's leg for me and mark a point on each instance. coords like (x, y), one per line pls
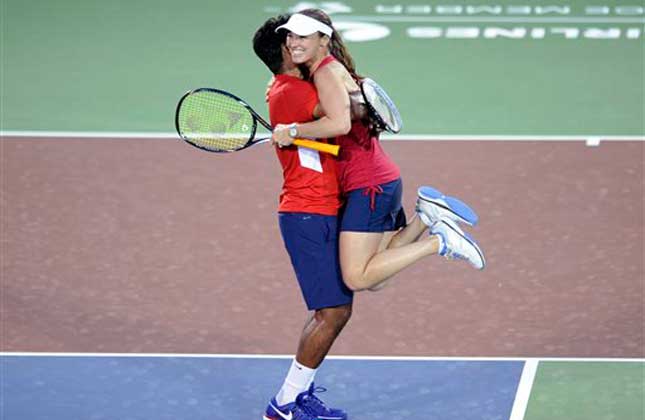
(410, 233)
(365, 264)
(370, 248)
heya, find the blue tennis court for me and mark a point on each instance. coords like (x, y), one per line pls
(203, 388)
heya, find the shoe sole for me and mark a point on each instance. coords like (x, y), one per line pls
(470, 240)
(458, 208)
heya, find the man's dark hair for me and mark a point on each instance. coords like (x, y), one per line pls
(267, 43)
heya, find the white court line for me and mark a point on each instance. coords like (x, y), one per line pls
(154, 135)
(524, 390)
(590, 139)
(332, 357)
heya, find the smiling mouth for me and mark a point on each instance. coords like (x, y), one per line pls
(297, 54)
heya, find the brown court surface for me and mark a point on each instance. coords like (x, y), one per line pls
(152, 246)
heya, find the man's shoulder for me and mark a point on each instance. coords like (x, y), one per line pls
(291, 91)
(285, 83)
(291, 99)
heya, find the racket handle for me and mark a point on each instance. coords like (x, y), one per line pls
(332, 149)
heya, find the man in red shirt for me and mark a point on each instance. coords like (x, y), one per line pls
(308, 209)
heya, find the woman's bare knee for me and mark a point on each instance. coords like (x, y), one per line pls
(354, 281)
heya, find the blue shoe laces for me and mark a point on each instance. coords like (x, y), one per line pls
(311, 404)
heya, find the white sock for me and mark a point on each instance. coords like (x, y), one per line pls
(311, 381)
(298, 380)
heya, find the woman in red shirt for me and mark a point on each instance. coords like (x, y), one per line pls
(375, 242)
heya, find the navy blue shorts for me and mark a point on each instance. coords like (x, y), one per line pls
(312, 243)
(377, 209)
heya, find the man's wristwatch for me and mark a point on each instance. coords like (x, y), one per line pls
(293, 130)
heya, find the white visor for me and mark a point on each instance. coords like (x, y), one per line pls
(304, 25)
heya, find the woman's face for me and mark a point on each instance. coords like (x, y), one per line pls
(307, 48)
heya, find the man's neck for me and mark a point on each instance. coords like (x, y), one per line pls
(292, 71)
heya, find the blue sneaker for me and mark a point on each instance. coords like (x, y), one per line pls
(312, 405)
(289, 411)
(432, 205)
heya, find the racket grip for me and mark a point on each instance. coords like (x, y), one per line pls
(332, 149)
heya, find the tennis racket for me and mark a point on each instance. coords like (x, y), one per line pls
(380, 107)
(218, 121)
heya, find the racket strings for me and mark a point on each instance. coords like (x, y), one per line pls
(215, 121)
(387, 115)
(382, 107)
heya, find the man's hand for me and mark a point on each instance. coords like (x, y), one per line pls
(357, 107)
(281, 136)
